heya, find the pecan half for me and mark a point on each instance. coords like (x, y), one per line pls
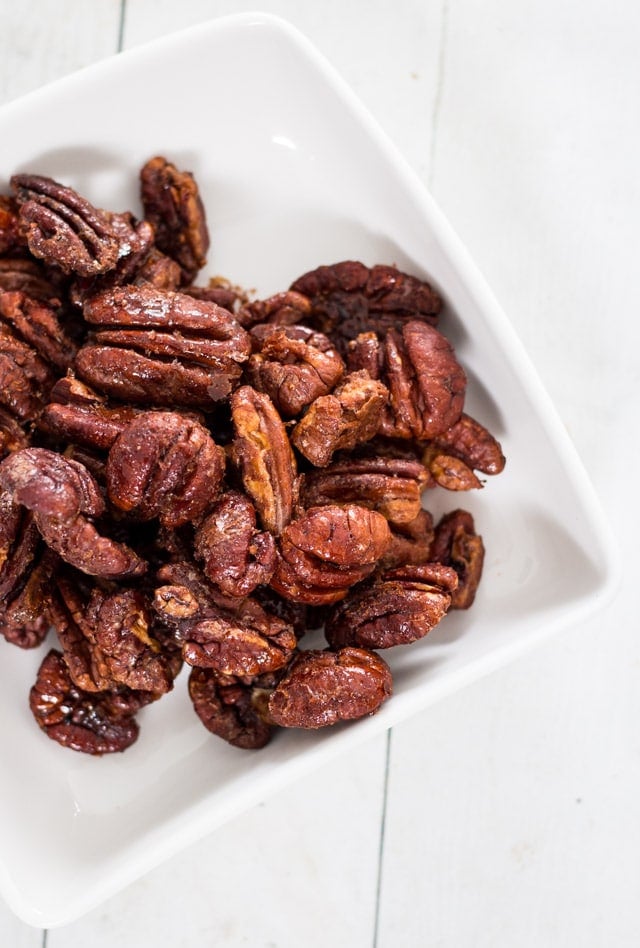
(37, 324)
(162, 347)
(227, 707)
(322, 688)
(64, 499)
(466, 446)
(390, 484)
(283, 309)
(426, 383)
(348, 298)
(164, 465)
(172, 204)
(64, 228)
(263, 455)
(327, 550)
(90, 723)
(399, 607)
(457, 544)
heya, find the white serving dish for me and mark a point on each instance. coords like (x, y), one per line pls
(294, 173)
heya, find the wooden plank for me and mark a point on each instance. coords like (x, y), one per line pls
(41, 41)
(300, 869)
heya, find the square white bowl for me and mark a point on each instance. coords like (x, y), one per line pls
(293, 173)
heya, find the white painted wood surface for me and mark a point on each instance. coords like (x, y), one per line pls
(512, 811)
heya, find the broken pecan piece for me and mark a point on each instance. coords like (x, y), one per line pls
(321, 688)
(293, 365)
(234, 554)
(347, 417)
(466, 446)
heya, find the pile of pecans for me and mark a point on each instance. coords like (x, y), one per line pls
(192, 477)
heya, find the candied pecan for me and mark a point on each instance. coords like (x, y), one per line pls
(293, 365)
(79, 415)
(25, 377)
(38, 325)
(397, 608)
(234, 555)
(162, 348)
(348, 298)
(327, 550)
(410, 542)
(342, 420)
(321, 688)
(160, 271)
(426, 382)
(172, 204)
(64, 228)
(136, 243)
(164, 465)
(108, 639)
(12, 436)
(64, 498)
(262, 452)
(83, 722)
(9, 229)
(235, 637)
(221, 291)
(29, 276)
(283, 309)
(228, 708)
(453, 455)
(457, 544)
(389, 484)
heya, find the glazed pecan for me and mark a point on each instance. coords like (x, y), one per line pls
(63, 228)
(321, 688)
(263, 455)
(283, 309)
(25, 377)
(160, 347)
(327, 550)
(164, 465)
(229, 708)
(91, 723)
(465, 446)
(234, 554)
(27, 572)
(390, 484)
(397, 608)
(64, 499)
(12, 436)
(29, 276)
(9, 228)
(172, 204)
(108, 639)
(348, 298)
(79, 415)
(38, 325)
(457, 544)
(236, 638)
(410, 542)
(136, 246)
(221, 291)
(293, 365)
(426, 382)
(342, 420)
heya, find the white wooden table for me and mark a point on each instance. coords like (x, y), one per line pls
(508, 816)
